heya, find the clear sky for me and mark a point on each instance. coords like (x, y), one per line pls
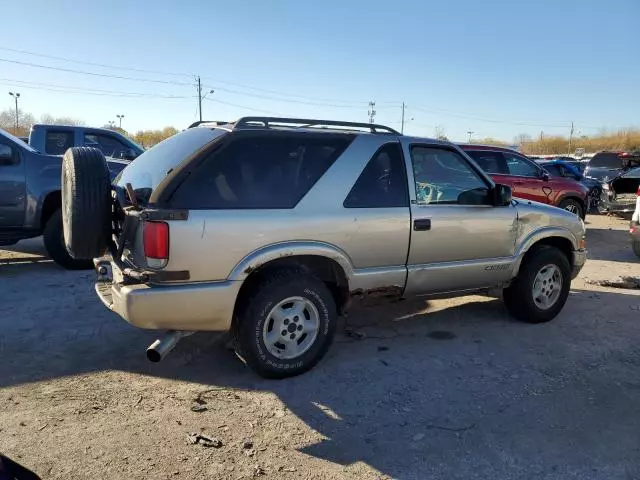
(495, 67)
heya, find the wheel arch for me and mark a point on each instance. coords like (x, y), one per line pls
(561, 239)
(52, 202)
(323, 261)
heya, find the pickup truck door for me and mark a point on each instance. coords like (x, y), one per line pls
(459, 239)
(12, 186)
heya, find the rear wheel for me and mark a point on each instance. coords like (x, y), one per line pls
(635, 244)
(541, 289)
(573, 206)
(57, 250)
(287, 325)
(86, 202)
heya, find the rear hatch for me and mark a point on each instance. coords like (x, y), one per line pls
(142, 228)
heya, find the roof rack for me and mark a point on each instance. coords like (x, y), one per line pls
(249, 122)
(215, 122)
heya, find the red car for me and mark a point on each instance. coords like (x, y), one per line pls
(528, 180)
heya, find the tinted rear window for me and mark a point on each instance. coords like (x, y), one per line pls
(260, 170)
(490, 162)
(150, 168)
(606, 160)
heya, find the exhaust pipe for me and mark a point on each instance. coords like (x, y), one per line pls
(162, 346)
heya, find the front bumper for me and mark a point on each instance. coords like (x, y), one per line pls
(579, 259)
(196, 306)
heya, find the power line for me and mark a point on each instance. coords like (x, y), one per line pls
(80, 90)
(94, 74)
(177, 74)
(103, 65)
(286, 100)
(244, 107)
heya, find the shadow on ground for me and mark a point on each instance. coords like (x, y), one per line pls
(461, 391)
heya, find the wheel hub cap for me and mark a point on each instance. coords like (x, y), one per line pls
(547, 286)
(291, 328)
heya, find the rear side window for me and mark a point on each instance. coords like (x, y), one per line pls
(606, 160)
(382, 183)
(260, 170)
(150, 168)
(110, 146)
(57, 142)
(490, 162)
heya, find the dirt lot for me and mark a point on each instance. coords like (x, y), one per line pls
(449, 389)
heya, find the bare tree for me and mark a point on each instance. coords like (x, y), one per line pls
(438, 131)
(51, 120)
(522, 139)
(8, 121)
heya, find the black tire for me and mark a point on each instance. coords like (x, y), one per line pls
(57, 250)
(572, 206)
(86, 202)
(518, 297)
(275, 288)
(635, 245)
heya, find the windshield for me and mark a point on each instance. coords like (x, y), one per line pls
(148, 170)
(7, 135)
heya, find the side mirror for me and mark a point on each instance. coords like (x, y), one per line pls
(544, 176)
(501, 195)
(6, 155)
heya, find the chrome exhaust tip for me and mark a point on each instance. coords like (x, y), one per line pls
(162, 346)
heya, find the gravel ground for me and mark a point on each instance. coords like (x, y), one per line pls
(440, 390)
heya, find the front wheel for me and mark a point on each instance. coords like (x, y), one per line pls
(287, 325)
(542, 286)
(572, 206)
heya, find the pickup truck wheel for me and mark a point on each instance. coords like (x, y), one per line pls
(635, 244)
(542, 286)
(572, 206)
(86, 202)
(287, 324)
(57, 250)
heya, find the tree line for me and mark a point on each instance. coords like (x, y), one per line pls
(144, 138)
(626, 139)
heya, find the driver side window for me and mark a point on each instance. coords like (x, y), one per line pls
(444, 177)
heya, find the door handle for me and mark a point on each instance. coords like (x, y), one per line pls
(422, 224)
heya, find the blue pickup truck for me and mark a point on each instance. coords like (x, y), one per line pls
(30, 193)
(56, 139)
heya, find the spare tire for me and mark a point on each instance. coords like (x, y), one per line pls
(86, 202)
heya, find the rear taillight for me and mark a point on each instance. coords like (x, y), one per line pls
(156, 243)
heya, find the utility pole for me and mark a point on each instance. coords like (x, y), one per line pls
(570, 138)
(120, 117)
(199, 99)
(470, 133)
(372, 112)
(402, 128)
(16, 96)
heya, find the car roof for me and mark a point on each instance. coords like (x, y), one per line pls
(477, 146)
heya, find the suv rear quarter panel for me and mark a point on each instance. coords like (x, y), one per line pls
(370, 244)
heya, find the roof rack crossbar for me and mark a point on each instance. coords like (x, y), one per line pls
(245, 122)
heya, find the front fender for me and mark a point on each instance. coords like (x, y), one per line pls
(266, 254)
(540, 234)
